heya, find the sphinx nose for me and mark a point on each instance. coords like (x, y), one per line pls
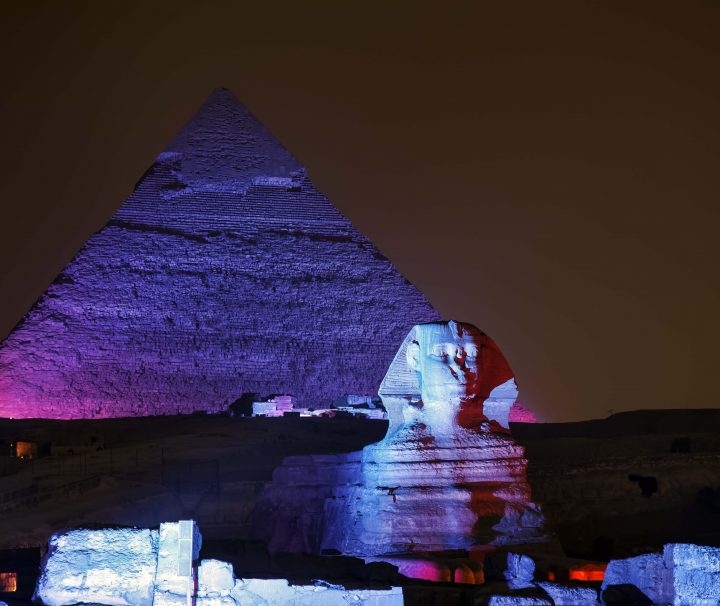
(458, 372)
(457, 366)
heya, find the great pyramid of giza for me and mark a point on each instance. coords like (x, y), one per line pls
(225, 272)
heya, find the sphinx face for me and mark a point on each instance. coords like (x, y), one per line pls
(446, 356)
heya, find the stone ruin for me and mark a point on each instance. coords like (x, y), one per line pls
(142, 567)
(225, 272)
(682, 575)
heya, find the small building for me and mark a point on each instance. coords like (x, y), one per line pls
(26, 450)
(276, 406)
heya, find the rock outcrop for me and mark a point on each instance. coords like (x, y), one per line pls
(225, 272)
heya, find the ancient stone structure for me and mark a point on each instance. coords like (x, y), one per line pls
(683, 575)
(450, 378)
(447, 475)
(96, 566)
(139, 567)
(225, 272)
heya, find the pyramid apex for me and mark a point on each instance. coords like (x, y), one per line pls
(222, 91)
(224, 146)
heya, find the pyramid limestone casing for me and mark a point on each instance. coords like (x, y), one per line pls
(224, 272)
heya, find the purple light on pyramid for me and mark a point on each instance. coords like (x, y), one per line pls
(225, 272)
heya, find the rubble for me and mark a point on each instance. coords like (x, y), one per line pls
(683, 575)
(564, 595)
(140, 567)
(646, 572)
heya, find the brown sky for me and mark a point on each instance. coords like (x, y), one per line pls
(547, 171)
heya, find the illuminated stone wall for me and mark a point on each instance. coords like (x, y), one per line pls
(225, 272)
(139, 567)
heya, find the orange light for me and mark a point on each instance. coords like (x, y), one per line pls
(26, 450)
(8, 581)
(551, 575)
(588, 572)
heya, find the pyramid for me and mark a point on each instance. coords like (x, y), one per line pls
(225, 272)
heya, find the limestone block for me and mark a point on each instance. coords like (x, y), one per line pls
(695, 574)
(648, 573)
(215, 578)
(169, 599)
(170, 587)
(516, 569)
(278, 592)
(520, 571)
(224, 600)
(110, 566)
(564, 595)
(517, 600)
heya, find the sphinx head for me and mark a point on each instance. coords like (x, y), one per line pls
(447, 357)
(456, 370)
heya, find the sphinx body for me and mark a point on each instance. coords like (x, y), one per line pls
(447, 476)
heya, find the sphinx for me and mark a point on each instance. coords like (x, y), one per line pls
(447, 475)
(448, 380)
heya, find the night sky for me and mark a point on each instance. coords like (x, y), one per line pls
(547, 171)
